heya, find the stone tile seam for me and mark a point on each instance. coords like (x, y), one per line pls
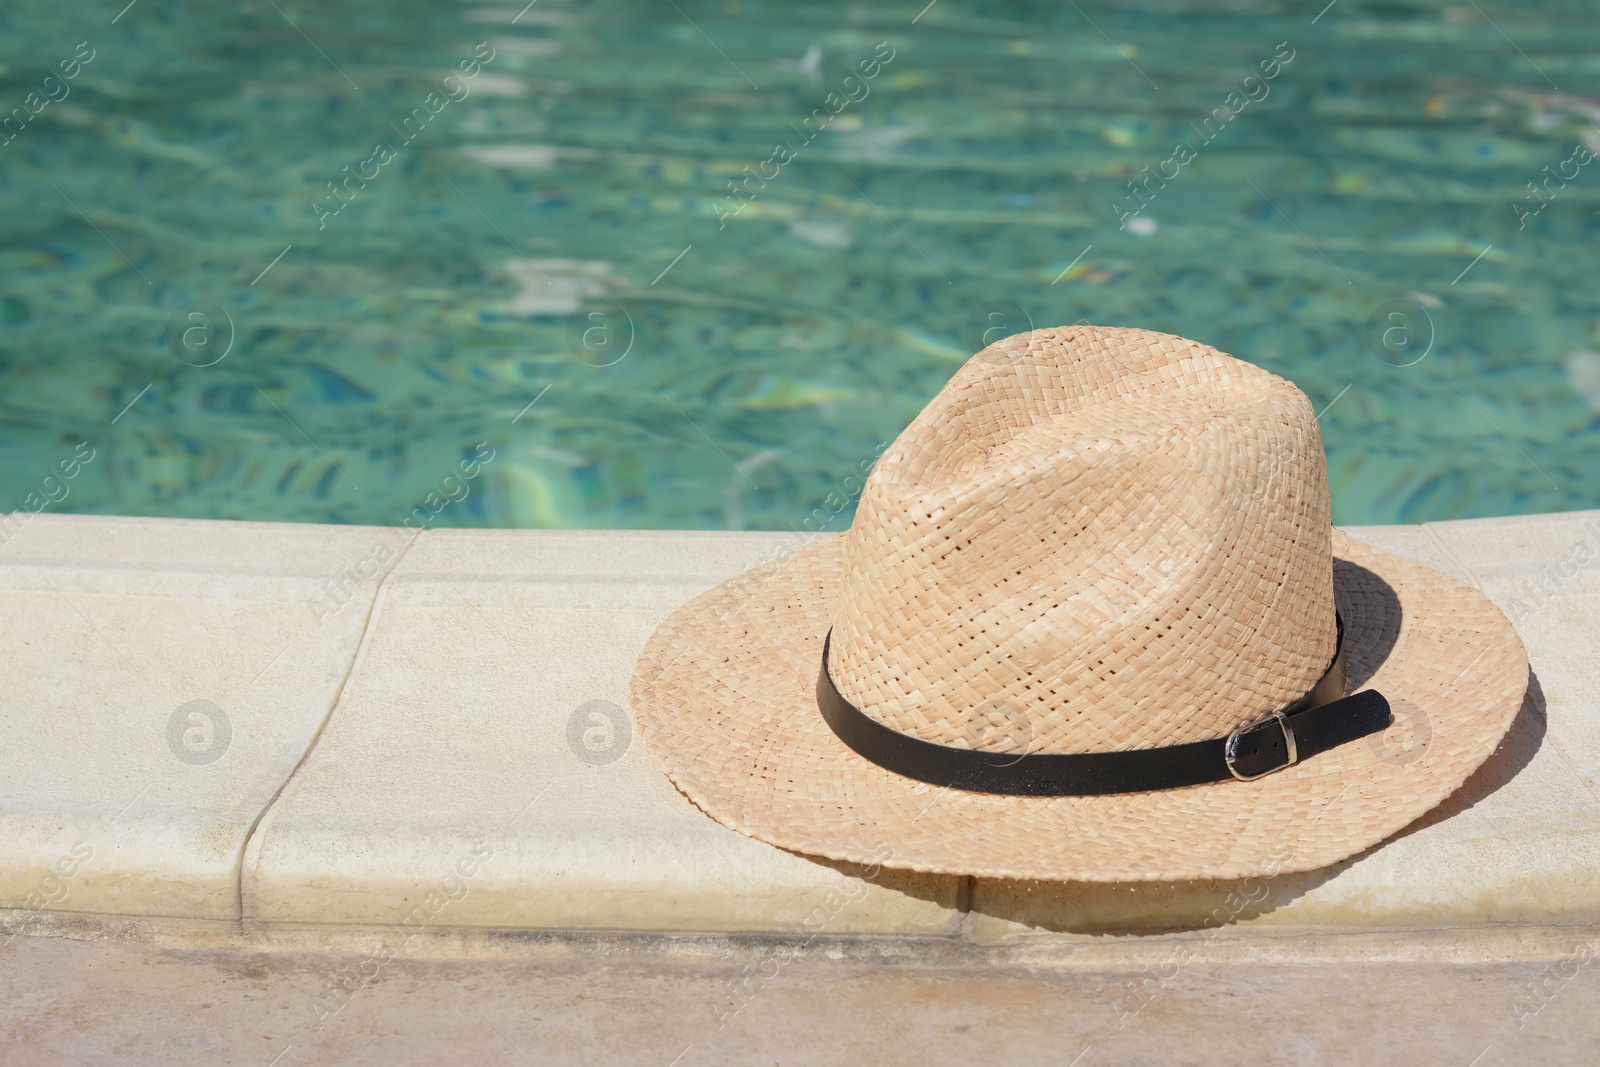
(966, 925)
(1449, 550)
(1572, 765)
(255, 837)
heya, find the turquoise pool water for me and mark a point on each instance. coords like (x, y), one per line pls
(187, 301)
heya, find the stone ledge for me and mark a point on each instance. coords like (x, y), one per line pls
(451, 786)
(1234, 943)
(451, 790)
(112, 799)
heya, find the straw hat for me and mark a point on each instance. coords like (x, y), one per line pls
(1090, 622)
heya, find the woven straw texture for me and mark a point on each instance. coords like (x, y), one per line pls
(1118, 538)
(1145, 559)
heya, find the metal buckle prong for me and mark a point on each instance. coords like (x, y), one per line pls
(1230, 750)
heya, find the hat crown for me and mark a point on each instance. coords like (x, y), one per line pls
(1091, 540)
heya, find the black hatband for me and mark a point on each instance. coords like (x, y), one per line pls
(1322, 719)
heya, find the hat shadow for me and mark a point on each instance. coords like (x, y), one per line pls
(1372, 615)
(944, 890)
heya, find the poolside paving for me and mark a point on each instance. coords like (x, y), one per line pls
(441, 743)
(163, 679)
(117, 1003)
(481, 767)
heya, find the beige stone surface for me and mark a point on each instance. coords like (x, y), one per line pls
(1520, 843)
(1522, 547)
(1544, 572)
(112, 627)
(64, 1002)
(453, 786)
(1416, 543)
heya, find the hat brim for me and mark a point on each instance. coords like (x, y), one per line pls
(724, 696)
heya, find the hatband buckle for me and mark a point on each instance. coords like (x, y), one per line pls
(1271, 751)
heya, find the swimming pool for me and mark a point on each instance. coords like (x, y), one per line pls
(547, 265)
